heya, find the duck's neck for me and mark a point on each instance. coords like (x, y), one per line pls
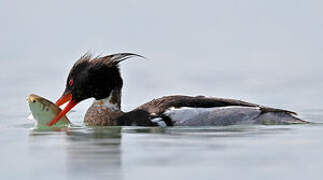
(105, 112)
(112, 103)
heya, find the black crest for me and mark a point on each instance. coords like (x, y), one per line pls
(95, 76)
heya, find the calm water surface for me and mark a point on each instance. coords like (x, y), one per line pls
(244, 152)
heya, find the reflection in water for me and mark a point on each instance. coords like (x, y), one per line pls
(173, 153)
(201, 152)
(89, 152)
(211, 131)
(94, 153)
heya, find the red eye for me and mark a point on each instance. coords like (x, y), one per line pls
(71, 82)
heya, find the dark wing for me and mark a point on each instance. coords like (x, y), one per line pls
(160, 105)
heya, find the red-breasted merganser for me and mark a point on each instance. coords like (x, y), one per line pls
(99, 78)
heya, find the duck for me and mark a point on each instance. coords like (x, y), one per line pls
(100, 78)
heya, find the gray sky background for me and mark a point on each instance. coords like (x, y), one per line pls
(268, 52)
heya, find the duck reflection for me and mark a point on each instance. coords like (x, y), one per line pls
(94, 153)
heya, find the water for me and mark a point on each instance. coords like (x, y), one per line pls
(266, 52)
(247, 152)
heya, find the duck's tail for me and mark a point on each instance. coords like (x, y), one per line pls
(270, 118)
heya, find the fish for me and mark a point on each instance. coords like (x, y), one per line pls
(43, 111)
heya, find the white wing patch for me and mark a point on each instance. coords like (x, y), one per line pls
(228, 115)
(159, 121)
(180, 115)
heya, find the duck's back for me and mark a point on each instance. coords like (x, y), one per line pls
(205, 111)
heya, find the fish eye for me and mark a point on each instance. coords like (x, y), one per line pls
(47, 109)
(34, 101)
(71, 82)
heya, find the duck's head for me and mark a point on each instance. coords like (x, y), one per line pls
(91, 77)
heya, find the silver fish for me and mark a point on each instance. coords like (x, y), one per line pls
(44, 111)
